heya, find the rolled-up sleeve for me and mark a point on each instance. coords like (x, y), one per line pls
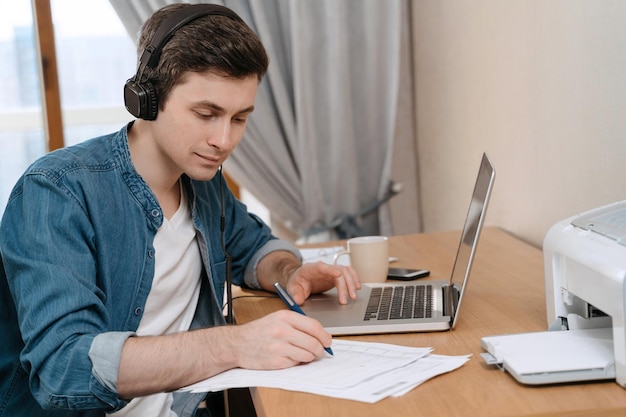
(105, 355)
(250, 276)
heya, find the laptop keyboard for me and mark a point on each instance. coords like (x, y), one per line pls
(400, 302)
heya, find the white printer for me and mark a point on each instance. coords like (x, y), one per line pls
(585, 281)
(585, 273)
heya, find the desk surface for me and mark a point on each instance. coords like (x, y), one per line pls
(505, 295)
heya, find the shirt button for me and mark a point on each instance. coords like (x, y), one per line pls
(138, 311)
(151, 253)
(155, 213)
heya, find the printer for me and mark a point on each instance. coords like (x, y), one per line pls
(585, 283)
(585, 275)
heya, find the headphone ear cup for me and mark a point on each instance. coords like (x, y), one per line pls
(141, 99)
(152, 102)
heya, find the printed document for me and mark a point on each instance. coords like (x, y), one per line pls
(359, 371)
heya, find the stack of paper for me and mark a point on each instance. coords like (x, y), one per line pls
(358, 371)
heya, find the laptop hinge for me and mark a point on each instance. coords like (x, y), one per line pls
(450, 300)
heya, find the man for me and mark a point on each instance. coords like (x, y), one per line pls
(115, 251)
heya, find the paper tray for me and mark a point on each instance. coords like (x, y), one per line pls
(554, 356)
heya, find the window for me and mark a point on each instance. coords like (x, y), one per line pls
(21, 133)
(95, 57)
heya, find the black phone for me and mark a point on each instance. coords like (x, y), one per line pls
(406, 274)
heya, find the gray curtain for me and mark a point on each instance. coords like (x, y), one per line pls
(318, 148)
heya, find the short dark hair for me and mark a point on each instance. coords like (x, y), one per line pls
(211, 43)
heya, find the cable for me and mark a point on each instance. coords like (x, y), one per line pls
(239, 297)
(229, 260)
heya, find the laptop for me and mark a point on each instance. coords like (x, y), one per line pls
(416, 306)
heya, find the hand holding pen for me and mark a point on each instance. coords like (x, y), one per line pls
(284, 295)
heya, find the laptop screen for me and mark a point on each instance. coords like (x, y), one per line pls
(471, 231)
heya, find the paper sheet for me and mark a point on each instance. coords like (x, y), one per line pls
(326, 255)
(360, 371)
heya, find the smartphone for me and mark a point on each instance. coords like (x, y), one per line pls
(405, 274)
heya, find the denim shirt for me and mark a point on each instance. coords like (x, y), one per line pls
(77, 250)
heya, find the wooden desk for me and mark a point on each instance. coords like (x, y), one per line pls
(505, 295)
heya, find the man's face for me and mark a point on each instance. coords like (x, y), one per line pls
(202, 122)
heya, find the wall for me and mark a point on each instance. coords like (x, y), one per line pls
(541, 87)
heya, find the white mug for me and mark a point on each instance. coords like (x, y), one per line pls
(369, 256)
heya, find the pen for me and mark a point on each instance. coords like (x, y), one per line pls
(284, 295)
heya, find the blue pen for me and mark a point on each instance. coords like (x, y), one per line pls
(284, 295)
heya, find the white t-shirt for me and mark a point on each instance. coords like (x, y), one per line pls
(173, 298)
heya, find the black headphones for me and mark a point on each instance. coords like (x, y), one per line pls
(140, 96)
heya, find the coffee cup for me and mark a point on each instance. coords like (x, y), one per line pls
(369, 256)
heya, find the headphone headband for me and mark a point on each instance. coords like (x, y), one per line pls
(140, 96)
(151, 54)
